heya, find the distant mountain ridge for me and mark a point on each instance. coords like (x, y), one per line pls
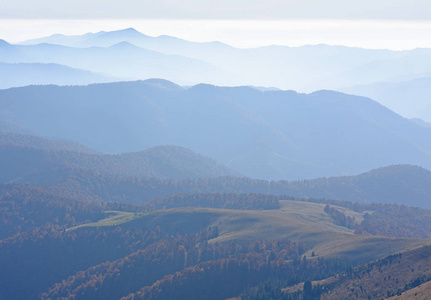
(401, 184)
(306, 68)
(166, 162)
(121, 60)
(396, 79)
(23, 74)
(268, 135)
(411, 98)
(110, 38)
(32, 141)
(421, 122)
(22, 155)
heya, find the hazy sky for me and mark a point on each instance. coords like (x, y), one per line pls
(220, 9)
(393, 24)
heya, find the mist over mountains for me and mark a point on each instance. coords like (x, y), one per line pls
(268, 135)
(22, 74)
(122, 61)
(130, 55)
(410, 98)
(305, 68)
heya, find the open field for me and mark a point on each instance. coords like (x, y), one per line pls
(298, 221)
(305, 222)
(114, 218)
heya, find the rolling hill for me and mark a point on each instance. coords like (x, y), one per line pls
(165, 162)
(402, 184)
(26, 156)
(105, 178)
(183, 240)
(189, 240)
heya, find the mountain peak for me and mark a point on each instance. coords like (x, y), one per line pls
(130, 29)
(128, 32)
(58, 35)
(396, 170)
(162, 83)
(124, 45)
(3, 43)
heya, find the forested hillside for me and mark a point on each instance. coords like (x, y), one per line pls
(165, 162)
(381, 279)
(401, 184)
(9, 137)
(148, 252)
(24, 208)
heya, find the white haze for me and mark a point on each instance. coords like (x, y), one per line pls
(371, 34)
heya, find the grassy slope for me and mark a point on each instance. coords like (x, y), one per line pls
(305, 222)
(421, 292)
(298, 221)
(114, 218)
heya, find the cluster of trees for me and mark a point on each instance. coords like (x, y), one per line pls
(170, 256)
(389, 220)
(34, 260)
(339, 218)
(382, 278)
(23, 208)
(397, 221)
(218, 200)
(233, 276)
(81, 179)
(274, 289)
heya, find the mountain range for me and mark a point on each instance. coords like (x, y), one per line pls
(410, 98)
(23, 155)
(222, 185)
(63, 167)
(267, 135)
(393, 78)
(22, 74)
(306, 68)
(123, 61)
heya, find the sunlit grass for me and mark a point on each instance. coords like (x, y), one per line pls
(115, 218)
